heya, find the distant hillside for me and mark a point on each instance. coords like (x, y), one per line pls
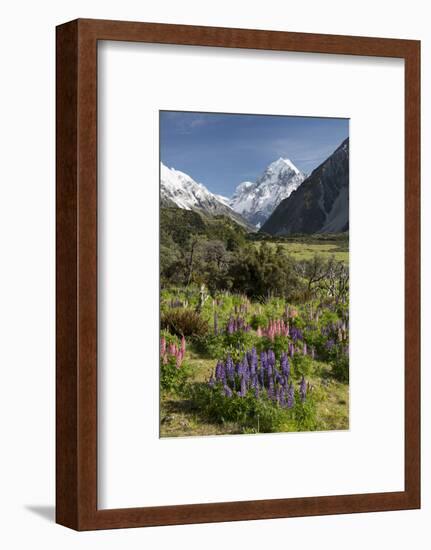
(320, 204)
(179, 225)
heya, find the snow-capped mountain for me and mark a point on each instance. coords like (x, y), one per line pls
(256, 201)
(180, 190)
(321, 204)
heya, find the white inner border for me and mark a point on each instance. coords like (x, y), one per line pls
(135, 467)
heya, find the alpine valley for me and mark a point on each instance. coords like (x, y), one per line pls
(254, 298)
(282, 201)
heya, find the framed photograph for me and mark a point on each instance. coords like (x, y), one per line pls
(238, 274)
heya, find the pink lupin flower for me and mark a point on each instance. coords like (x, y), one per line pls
(179, 358)
(163, 345)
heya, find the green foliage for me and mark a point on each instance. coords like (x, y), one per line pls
(254, 415)
(305, 415)
(183, 322)
(211, 345)
(259, 320)
(262, 272)
(340, 367)
(278, 345)
(172, 377)
(220, 345)
(211, 267)
(302, 365)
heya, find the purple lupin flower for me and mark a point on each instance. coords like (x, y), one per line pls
(218, 371)
(330, 344)
(230, 369)
(290, 396)
(277, 394)
(270, 362)
(271, 358)
(263, 366)
(270, 390)
(303, 389)
(253, 361)
(227, 391)
(284, 365)
(243, 387)
(282, 397)
(291, 349)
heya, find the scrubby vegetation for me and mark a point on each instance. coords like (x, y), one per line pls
(254, 338)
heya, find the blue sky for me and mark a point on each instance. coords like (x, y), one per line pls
(222, 150)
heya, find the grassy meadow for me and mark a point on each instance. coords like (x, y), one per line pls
(254, 329)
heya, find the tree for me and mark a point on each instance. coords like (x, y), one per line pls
(313, 272)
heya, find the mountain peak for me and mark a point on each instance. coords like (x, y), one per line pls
(181, 190)
(256, 201)
(321, 204)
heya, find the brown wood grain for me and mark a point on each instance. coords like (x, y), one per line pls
(76, 372)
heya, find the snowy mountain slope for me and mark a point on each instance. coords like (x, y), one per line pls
(256, 201)
(179, 189)
(321, 204)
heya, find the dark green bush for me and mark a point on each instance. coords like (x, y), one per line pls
(183, 322)
(340, 367)
(259, 320)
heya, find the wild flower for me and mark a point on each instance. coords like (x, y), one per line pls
(253, 375)
(172, 350)
(296, 334)
(330, 344)
(303, 389)
(284, 364)
(275, 328)
(291, 312)
(175, 303)
(236, 324)
(290, 396)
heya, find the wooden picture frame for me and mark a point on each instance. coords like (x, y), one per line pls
(76, 208)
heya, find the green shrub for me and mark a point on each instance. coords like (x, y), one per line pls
(173, 378)
(302, 365)
(340, 368)
(211, 345)
(183, 322)
(239, 340)
(254, 415)
(279, 345)
(259, 320)
(305, 415)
